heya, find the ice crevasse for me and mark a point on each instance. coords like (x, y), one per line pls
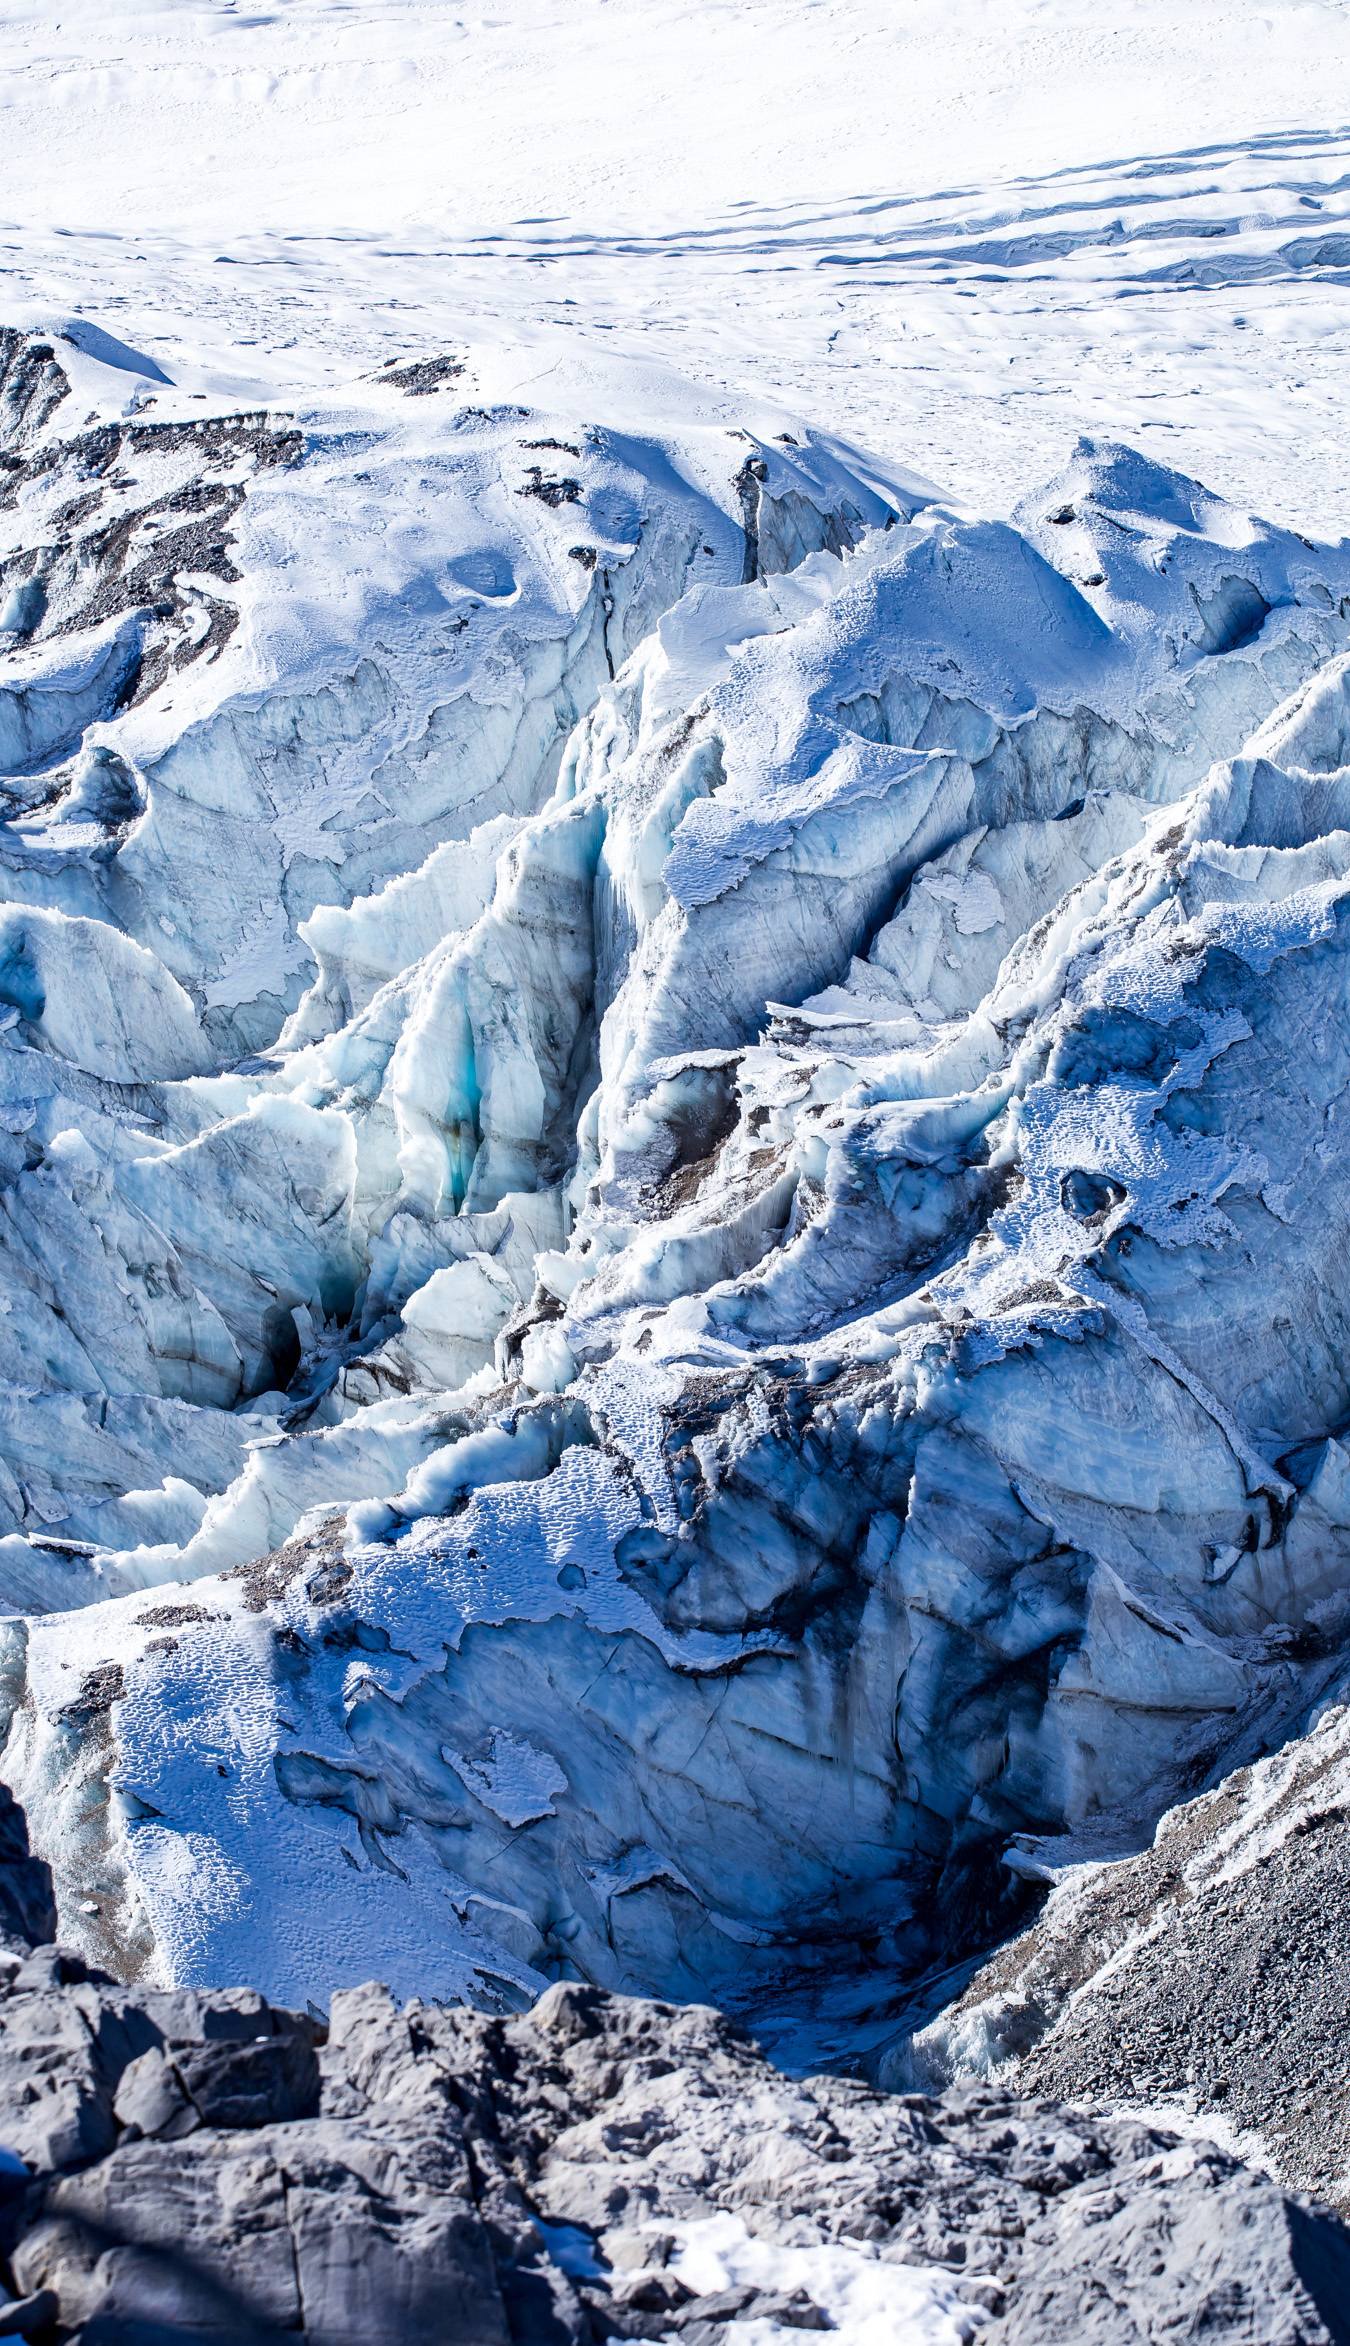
(673, 1216)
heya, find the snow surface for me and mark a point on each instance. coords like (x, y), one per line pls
(869, 2302)
(960, 230)
(672, 1228)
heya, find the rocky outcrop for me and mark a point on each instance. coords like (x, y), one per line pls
(201, 2165)
(183, 2164)
(27, 1907)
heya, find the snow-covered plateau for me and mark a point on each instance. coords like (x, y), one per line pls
(675, 1085)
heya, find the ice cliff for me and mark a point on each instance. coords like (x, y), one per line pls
(674, 1221)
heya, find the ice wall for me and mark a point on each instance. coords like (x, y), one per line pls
(677, 1140)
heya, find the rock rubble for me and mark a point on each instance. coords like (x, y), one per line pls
(198, 2164)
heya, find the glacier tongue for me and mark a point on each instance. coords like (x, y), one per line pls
(672, 1207)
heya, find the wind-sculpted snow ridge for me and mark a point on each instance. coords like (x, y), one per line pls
(764, 1309)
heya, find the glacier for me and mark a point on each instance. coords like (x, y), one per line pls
(672, 1221)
